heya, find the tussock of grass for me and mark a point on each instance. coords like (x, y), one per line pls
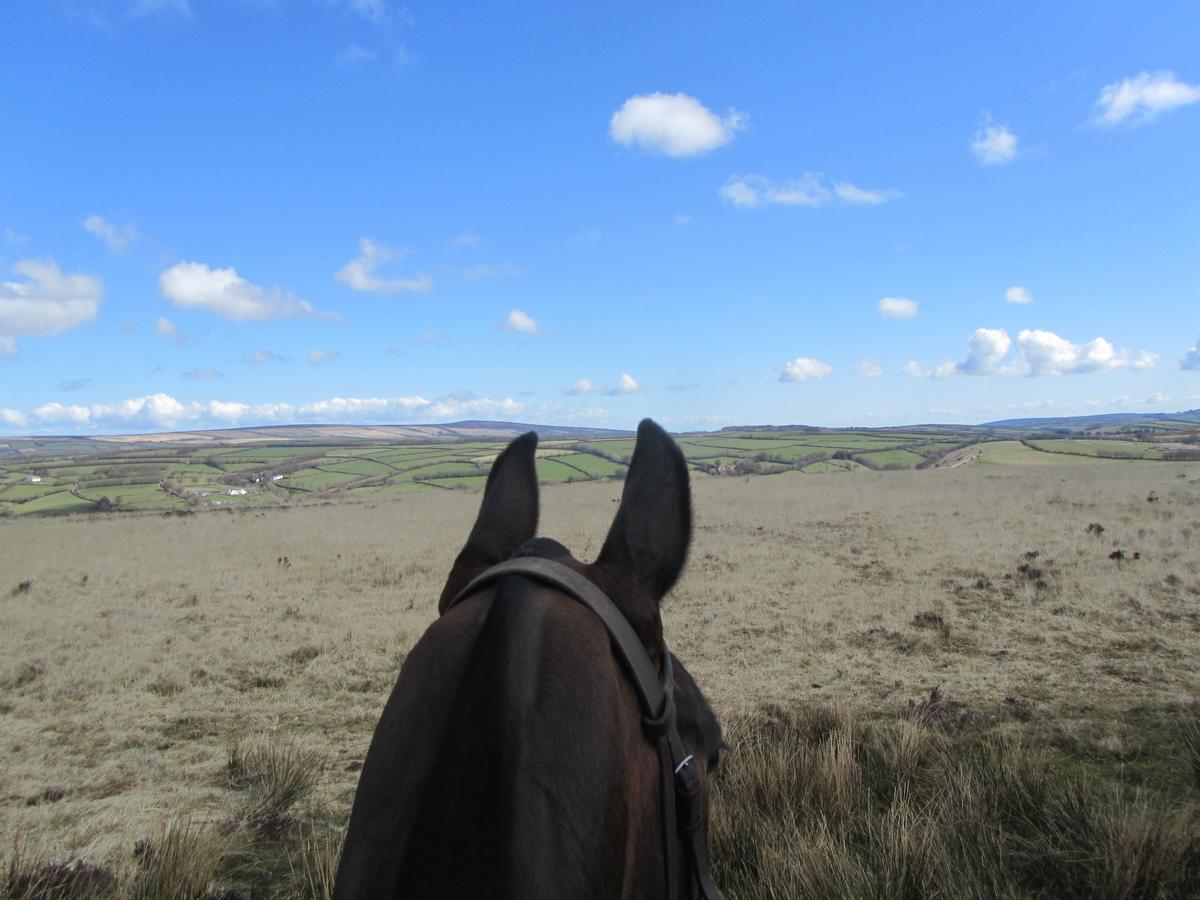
(274, 775)
(814, 803)
(181, 863)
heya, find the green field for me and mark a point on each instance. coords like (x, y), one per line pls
(177, 477)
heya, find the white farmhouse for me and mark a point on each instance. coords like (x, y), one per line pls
(237, 492)
(33, 479)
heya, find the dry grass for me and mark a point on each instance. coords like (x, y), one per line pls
(145, 647)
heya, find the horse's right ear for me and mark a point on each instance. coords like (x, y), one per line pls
(648, 542)
(508, 516)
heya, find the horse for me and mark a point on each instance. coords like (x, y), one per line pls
(516, 756)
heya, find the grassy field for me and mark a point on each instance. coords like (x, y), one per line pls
(69, 476)
(896, 653)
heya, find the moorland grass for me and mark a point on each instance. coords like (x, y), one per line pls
(144, 647)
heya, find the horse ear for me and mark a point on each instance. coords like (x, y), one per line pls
(649, 538)
(508, 516)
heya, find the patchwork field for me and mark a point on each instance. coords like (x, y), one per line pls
(159, 669)
(54, 476)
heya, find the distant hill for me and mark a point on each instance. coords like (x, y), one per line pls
(300, 434)
(1158, 421)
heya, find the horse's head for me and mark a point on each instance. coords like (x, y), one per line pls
(515, 756)
(640, 561)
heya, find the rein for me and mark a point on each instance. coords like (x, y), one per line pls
(682, 809)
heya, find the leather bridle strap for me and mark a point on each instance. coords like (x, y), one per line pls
(682, 806)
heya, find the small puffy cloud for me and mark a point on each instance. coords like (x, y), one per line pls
(583, 386)
(168, 330)
(431, 337)
(1142, 99)
(318, 357)
(47, 302)
(192, 285)
(753, 191)
(8, 346)
(674, 125)
(916, 370)
(804, 368)
(74, 384)
(359, 273)
(811, 189)
(1018, 294)
(853, 194)
(520, 321)
(118, 238)
(683, 219)
(262, 357)
(1045, 353)
(466, 239)
(14, 418)
(206, 374)
(868, 368)
(14, 238)
(626, 384)
(897, 308)
(985, 348)
(1191, 359)
(994, 145)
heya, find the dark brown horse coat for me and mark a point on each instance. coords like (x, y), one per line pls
(510, 760)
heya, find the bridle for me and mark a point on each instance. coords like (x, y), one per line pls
(682, 789)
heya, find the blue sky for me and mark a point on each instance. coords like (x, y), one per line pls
(242, 212)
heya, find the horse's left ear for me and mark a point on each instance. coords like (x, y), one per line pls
(508, 515)
(648, 542)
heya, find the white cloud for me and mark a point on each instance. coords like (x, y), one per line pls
(853, 194)
(1045, 353)
(164, 411)
(465, 239)
(672, 124)
(317, 357)
(118, 238)
(985, 348)
(626, 384)
(804, 368)
(47, 303)
(583, 386)
(360, 275)
(170, 331)
(1191, 359)
(191, 285)
(8, 345)
(520, 321)
(811, 189)
(751, 191)
(1018, 294)
(868, 368)
(994, 145)
(683, 219)
(1142, 99)
(1038, 353)
(916, 370)
(431, 337)
(897, 308)
(14, 238)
